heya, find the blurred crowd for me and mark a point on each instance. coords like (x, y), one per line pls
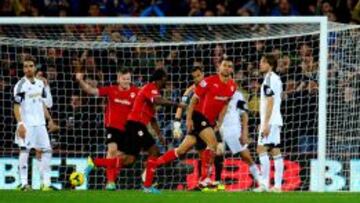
(337, 10)
(81, 116)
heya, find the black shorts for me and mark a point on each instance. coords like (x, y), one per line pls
(117, 136)
(200, 123)
(201, 145)
(138, 138)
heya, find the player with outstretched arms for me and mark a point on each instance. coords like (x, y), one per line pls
(235, 133)
(207, 106)
(142, 114)
(31, 99)
(270, 123)
(120, 100)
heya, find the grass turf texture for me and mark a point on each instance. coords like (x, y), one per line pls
(7, 196)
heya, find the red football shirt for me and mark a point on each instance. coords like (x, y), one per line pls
(119, 105)
(144, 108)
(214, 95)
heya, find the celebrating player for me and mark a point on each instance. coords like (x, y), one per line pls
(120, 100)
(235, 133)
(270, 122)
(210, 99)
(30, 100)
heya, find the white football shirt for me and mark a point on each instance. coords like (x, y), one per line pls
(236, 107)
(271, 87)
(31, 97)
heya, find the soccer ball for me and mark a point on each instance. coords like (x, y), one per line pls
(76, 179)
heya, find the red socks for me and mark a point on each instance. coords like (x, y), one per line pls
(166, 158)
(154, 162)
(112, 165)
(150, 171)
(206, 157)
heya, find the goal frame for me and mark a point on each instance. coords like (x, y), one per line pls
(322, 21)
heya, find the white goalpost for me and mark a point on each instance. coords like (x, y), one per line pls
(318, 61)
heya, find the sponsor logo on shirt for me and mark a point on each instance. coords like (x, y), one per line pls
(132, 94)
(154, 92)
(122, 101)
(203, 83)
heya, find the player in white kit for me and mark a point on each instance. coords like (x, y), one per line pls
(234, 131)
(270, 122)
(31, 100)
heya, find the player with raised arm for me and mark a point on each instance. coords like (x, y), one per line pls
(141, 115)
(207, 105)
(235, 133)
(270, 122)
(120, 100)
(31, 100)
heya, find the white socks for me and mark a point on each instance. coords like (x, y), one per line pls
(279, 170)
(255, 172)
(23, 166)
(265, 167)
(44, 167)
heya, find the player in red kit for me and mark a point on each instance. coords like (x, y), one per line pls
(120, 100)
(142, 114)
(207, 106)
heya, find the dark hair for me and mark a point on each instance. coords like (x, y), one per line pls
(158, 74)
(195, 68)
(29, 57)
(271, 60)
(123, 71)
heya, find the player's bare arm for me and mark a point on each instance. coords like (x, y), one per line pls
(155, 126)
(21, 126)
(189, 122)
(160, 101)
(52, 126)
(221, 117)
(185, 96)
(85, 86)
(244, 139)
(269, 108)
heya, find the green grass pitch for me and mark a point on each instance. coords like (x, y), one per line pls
(7, 196)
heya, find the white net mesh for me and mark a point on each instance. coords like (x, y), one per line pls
(99, 49)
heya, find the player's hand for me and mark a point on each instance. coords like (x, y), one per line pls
(189, 125)
(162, 139)
(21, 130)
(244, 140)
(266, 130)
(177, 132)
(79, 76)
(53, 127)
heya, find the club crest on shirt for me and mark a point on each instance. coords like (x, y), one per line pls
(203, 123)
(140, 133)
(109, 135)
(232, 88)
(203, 83)
(132, 94)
